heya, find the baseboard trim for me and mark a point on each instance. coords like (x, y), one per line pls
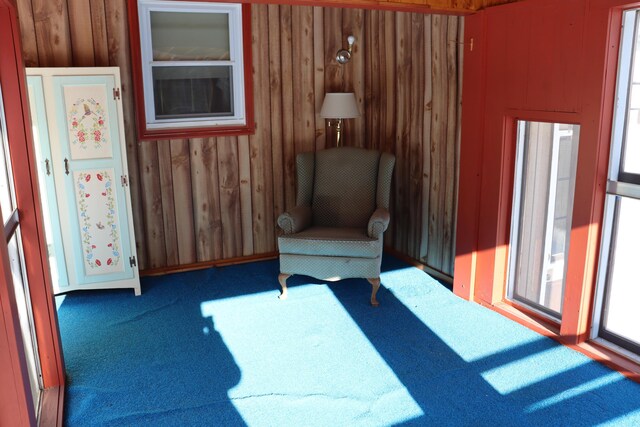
(273, 255)
(437, 274)
(208, 264)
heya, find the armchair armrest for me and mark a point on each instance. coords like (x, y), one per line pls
(297, 219)
(378, 223)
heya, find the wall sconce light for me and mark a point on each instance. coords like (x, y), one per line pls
(344, 55)
(339, 106)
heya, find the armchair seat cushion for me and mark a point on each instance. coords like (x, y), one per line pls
(331, 241)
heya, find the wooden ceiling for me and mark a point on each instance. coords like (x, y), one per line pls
(458, 7)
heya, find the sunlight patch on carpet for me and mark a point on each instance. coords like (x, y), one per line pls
(574, 392)
(520, 373)
(314, 361)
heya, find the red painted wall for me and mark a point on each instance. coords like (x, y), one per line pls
(16, 405)
(543, 60)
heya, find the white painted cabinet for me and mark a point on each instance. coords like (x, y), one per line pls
(82, 165)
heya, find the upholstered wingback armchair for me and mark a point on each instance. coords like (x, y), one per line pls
(342, 210)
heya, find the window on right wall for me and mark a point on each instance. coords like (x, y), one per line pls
(616, 314)
(545, 179)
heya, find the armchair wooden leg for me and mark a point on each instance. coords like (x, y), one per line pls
(282, 278)
(375, 285)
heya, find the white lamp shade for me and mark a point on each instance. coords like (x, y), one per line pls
(339, 106)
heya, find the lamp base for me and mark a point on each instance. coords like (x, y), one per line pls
(337, 124)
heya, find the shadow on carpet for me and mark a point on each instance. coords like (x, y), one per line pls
(217, 348)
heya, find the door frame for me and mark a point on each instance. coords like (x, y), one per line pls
(16, 402)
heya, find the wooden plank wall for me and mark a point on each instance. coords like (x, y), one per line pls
(204, 199)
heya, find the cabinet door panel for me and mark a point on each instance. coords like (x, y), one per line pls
(41, 140)
(94, 195)
(100, 226)
(88, 120)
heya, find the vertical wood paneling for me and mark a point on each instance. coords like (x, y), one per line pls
(387, 108)
(373, 78)
(81, 33)
(353, 24)
(403, 91)
(460, 61)
(318, 65)
(275, 86)
(168, 203)
(333, 41)
(206, 199)
(229, 196)
(426, 148)
(28, 34)
(99, 33)
(260, 142)
(451, 146)
(438, 135)
(119, 55)
(51, 23)
(246, 205)
(182, 200)
(288, 150)
(304, 79)
(152, 207)
(415, 183)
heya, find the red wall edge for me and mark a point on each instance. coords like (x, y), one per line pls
(540, 60)
(22, 153)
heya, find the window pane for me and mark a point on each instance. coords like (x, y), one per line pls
(5, 191)
(631, 154)
(180, 36)
(621, 315)
(6, 188)
(636, 51)
(631, 162)
(543, 206)
(25, 316)
(192, 92)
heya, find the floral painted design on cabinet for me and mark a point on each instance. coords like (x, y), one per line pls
(88, 122)
(99, 227)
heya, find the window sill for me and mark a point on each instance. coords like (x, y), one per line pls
(51, 409)
(592, 349)
(195, 132)
(526, 318)
(614, 360)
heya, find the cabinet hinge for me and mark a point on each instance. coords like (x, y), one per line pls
(132, 261)
(125, 180)
(116, 93)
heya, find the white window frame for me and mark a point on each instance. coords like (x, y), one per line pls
(236, 61)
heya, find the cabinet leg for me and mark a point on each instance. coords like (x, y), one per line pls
(282, 278)
(375, 285)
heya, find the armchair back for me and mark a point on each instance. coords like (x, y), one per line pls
(344, 185)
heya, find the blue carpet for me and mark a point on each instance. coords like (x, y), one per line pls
(217, 348)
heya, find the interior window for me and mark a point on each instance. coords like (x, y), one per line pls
(193, 66)
(542, 209)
